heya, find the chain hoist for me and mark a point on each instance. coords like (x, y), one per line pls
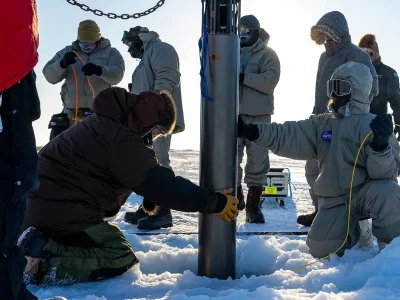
(99, 13)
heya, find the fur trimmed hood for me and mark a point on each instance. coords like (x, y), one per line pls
(332, 25)
(369, 41)
(368, 44)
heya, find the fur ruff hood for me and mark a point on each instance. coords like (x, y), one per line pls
(332, 25)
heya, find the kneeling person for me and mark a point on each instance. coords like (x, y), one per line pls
(88, 173)
(334, 140)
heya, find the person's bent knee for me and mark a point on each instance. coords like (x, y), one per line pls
(322, 249)
(384, 187)
(129, 261)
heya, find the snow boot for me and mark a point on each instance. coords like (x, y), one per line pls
(134, 216)
(366, 237)
(240, 197)
(253, 206)
(381, 245)
(32, 242)
(306, 220)
(163, 219)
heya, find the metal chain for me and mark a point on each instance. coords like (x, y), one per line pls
(99, 13)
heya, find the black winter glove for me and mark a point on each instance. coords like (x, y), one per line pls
(129, 87)
(241, 78)
(249, 131)
(382, 128)
(68, 59)
(90, 69)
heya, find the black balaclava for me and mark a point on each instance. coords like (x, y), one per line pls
(136, 50)
(248, 39)
(340, 101)
(331, 47)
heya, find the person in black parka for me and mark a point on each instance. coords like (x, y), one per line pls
(388, 82)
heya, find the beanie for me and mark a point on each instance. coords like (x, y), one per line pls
(250, 21)
(88, 31)
(133, 34)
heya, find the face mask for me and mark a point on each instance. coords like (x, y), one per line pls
(86, 47)
(136, 49)
(339, 102)
(248, 38)
(331, 48)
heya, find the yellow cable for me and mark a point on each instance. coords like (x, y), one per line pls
(349, 213)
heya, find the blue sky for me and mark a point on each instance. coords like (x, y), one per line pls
(179, 23)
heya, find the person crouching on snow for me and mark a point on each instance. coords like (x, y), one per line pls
(88, 172)
(333, 140)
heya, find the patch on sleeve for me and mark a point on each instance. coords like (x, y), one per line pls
(396, 75)
(326, 136)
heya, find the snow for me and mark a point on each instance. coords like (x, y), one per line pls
(264, 264)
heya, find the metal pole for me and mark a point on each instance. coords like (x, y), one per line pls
(218, 153)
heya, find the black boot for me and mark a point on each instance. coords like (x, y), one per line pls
(240, 197)
(134, 216)
(306, 220)
(31, 243)
(163, 219)
(253, 206)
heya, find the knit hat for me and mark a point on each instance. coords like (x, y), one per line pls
(88, 31)
(153, 108)
(250, 21)
(133, 34)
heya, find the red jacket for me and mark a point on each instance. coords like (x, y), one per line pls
(19, 36)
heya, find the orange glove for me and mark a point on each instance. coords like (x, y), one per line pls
(230, 210)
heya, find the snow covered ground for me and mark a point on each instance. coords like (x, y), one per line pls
(168, 263)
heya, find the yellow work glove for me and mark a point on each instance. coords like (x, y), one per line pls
(230, 210)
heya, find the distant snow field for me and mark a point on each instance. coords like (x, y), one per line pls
(168, 263)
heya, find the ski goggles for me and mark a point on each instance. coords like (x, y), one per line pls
(125, 39)
(338, 87)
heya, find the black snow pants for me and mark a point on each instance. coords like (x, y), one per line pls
(18, 166)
